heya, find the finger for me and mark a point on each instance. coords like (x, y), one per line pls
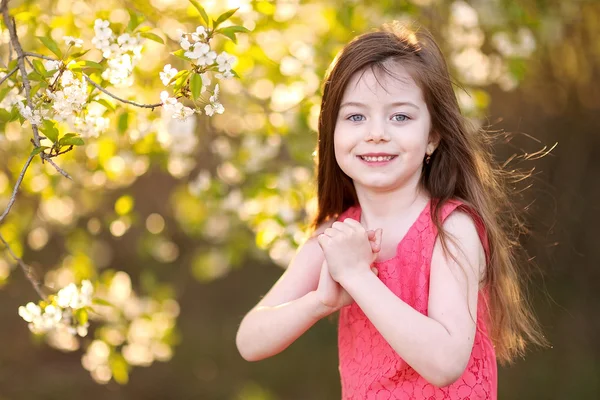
(375, 271)
(340, 226)
(354, 224)
(322, 239)
(378, 235)
(371, 235)
(331, 232)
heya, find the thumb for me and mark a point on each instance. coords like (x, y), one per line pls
(378, 235)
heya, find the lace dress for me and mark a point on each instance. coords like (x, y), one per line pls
(370, 368)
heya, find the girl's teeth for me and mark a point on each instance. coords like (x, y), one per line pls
(378, 159)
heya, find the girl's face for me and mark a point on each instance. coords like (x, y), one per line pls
(382, 132)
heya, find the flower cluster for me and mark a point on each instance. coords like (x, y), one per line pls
(120, 51)
(66, 310)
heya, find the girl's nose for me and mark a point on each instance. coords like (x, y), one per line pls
(377, 133)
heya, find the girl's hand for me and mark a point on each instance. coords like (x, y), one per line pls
(348, 248)
(331, 294)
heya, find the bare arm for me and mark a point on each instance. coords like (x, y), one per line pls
(437, 346)
(288, 310)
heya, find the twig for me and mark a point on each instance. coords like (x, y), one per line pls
(30, 54)
(133, 103)
(61, 171)
(29, 273)
(14, 39)
(8, 75)
(16, 189)
(100, 88)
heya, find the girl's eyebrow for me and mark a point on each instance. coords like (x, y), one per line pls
(395, 104)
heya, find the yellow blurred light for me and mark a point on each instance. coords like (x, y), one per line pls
(4, 270)
(277, 120)
(116, 165)
(94, 226)
(229, 173)
(262, 89)
(102, 374)
(290, 66)
(119, 290)
(140, 166)
(99, 178)
(210, 266)
(124, 205)
(255, 121)
(38, 183)
(286, 97)
(37, 238)
(58, 209)
(118, 228)
(3, 182)
(166, 251)
(285, 10)
(155, 223)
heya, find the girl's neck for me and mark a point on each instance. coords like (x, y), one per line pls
(379, 208)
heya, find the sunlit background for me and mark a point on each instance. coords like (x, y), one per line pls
(184, 225)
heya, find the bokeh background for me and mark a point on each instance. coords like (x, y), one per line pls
(185, 225)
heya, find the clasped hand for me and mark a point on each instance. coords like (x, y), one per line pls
(349, 248)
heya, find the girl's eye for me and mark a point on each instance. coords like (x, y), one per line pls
(356, 118)
(400, 117)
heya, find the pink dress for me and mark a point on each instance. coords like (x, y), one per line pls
(370, 368)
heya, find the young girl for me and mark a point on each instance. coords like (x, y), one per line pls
(411, 238)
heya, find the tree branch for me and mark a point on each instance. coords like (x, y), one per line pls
(16, 189)
(8, 75)
(14, 39)
(29, 273)
(100, 88)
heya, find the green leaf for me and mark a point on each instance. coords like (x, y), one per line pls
(230, 31)
(123, 122)
(179, 75)
(39, 67)
(152, 36)
(202, 12)
(180, 53)
(38, 150)
(107, 103)
(50, 45)
(71, 139)
(81, 315)
(79, 54)
(4, 115)
(180, 82)
(13, 64)
(119, 368)
(4, 92)
(49, 130)
(102, 302)
(135, 20)
(144, 29)
(85, 64)
(196, 85)
(224, 17)
(34, 76)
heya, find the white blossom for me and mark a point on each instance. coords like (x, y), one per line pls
(202, 54)
(185, 44)
(71, 41)
(200, 34)
(182, 112)
(167, 74)
(34, 117)
(215, 106)
(225, 61)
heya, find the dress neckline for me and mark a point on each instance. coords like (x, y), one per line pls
(409, 232)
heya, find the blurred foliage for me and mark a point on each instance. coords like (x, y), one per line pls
(156, 201)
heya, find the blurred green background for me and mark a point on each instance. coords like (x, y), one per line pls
(192, 222)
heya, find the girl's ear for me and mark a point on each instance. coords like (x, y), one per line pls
(434, 141)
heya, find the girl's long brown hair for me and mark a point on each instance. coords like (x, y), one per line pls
(461, 168)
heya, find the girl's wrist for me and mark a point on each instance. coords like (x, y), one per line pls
(319, 309)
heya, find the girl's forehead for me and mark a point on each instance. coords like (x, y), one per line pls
(392, 80)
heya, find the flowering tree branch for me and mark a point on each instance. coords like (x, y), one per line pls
(133, 103)
(8, 75)
(29, 273)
